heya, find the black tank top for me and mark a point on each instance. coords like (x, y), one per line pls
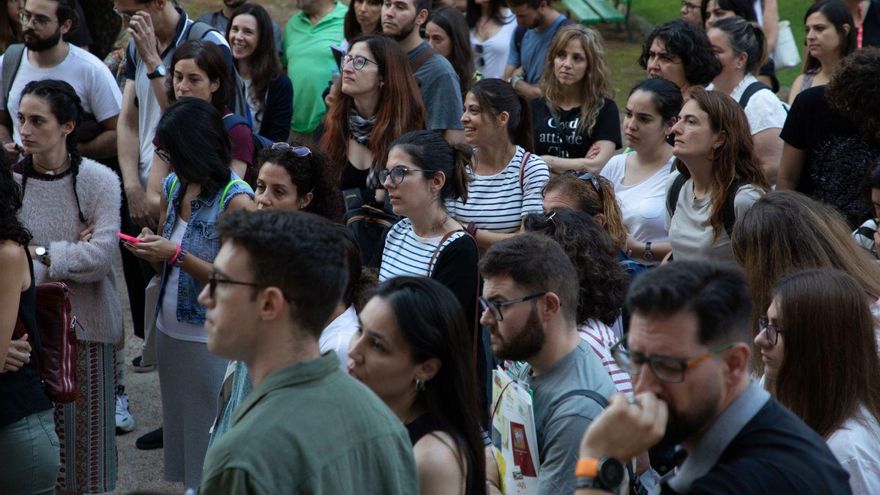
(21, 393)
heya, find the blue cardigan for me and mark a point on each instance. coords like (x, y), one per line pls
(278, 110)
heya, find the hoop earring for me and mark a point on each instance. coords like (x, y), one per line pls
(420, 385)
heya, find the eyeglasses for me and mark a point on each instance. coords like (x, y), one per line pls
(357, 61)
(595, 181)
(213, 281)
(494, 307)
(300, 151)
(123, 14)
(163, 155)
(689, 6)
(25, 18)
(666, 369)
(772, 330)
(397, 174)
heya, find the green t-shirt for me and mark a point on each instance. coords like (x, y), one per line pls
(309, 428)
(310, 64)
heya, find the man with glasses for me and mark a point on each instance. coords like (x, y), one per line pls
(690, 11)
(529, 307)
(688, 351)
(45, 55)
(306, 427)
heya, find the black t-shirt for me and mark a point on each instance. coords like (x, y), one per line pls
(837, 161)
(558, 135)
(774, 453)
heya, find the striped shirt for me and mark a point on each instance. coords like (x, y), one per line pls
(406, 253)
(601, 338)
(499, 202)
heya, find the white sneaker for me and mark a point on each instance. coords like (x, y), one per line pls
(124, 420)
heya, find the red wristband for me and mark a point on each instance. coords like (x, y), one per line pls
(174, 258)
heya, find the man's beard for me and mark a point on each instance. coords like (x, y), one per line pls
(41, 44)
(404, 31)
(681, 427)
(525, 344)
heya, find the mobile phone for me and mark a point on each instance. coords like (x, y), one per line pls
(127, 238)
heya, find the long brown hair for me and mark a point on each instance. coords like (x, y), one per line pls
(593, 88)
(735, 159)
(587, 199)
(785, 231)
(829, 367)
(265, 62)
(400, 108)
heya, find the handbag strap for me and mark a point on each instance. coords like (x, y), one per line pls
(432, 264)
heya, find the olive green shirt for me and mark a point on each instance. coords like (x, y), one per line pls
(311, 429)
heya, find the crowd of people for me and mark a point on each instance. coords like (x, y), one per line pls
(337, 235)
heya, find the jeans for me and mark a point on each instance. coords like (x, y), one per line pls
(32, 447)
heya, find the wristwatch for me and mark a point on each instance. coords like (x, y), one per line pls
(42, 255)
(160, 71)
(605, 473)
(648, 254)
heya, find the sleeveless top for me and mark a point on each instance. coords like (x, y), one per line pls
(21, 391)
(423, 425)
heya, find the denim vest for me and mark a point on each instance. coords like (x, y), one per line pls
(200, 239)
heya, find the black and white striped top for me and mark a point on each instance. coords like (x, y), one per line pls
(499, 202)
(406, 253)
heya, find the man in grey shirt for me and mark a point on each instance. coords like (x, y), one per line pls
(529, 306)
(439, 84)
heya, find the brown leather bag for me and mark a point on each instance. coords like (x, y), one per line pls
(55, 356)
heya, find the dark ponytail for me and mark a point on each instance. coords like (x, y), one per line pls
(496, 96)
(66, 106)
(745, 37)
(430, 151)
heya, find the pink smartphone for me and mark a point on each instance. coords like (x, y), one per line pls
(127, 238)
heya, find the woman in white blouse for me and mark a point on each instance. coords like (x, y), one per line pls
(641, 176)
(492, 25)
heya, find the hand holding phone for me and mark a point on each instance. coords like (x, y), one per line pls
(127, 238)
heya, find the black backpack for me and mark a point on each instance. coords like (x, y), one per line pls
(728, 213)
(369, 225)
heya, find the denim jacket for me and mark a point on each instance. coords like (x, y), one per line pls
(200, 239)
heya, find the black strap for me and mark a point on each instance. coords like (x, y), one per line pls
(590, 394)
(674, 192)
(751, 89)
(728, 214)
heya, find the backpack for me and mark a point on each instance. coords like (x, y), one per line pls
(369, 225)
(260, 142)
(220, 205)
(238, 103)
(728, 212)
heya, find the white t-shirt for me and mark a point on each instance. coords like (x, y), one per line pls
(405, 253)
(252, 102)
(764, 110)
(499, 202)
(642, 205)
(690, 231)
(166, 320)
(493, 51)
(337, 335)
(857, 446)
(90, 78)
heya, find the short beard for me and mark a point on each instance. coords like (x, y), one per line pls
(681, 427)
(42, 44)
(404, 32)
(525, 344)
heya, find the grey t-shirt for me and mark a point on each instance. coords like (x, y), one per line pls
(441, 91)
(560, 425)
(690, 230)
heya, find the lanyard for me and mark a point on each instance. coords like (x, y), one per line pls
(860, 34)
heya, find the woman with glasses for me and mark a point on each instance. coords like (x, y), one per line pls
(377, 101)
(492, 26)
(198, 70)
(296, 178)
(576, 123)
(818, 335)
(741, 48)
(721, 177)
(414, 352)
(641, 176)
(506, 178)
(447, 32)
(201, 187)
(71, 204)
(269, 90)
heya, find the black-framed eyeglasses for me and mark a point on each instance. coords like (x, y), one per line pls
(494, 307)
(397, 174)
(596, 182)
(300, 151)
(213, 281)
(772, 330)
(25, 18)
(357, 61)
(163, 155)
(666, 369)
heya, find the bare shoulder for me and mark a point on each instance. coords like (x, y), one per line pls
(440, 463)
(13, 260)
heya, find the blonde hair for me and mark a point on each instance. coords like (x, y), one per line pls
(596, 84)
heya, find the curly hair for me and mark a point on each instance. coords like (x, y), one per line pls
(585, 195)
(688, 42)
(309, 174)
(602, 282)
(853, 92)
(596, 83)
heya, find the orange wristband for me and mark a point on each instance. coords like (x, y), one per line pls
(586, 468)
